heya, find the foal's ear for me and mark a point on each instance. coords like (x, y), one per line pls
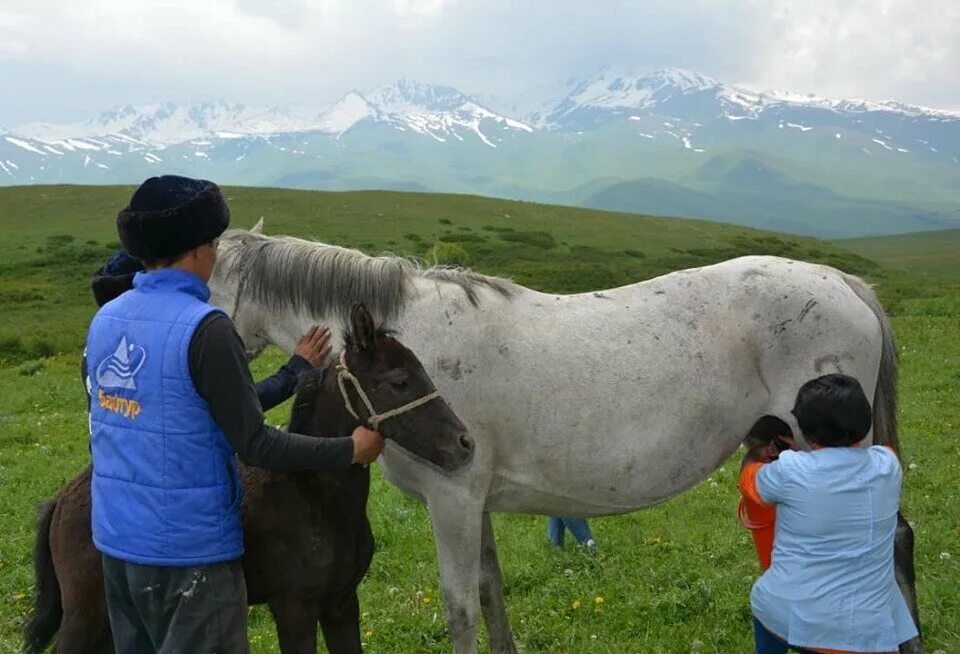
(362, 327)
(258, 228)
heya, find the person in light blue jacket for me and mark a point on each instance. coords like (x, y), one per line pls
(830, 585)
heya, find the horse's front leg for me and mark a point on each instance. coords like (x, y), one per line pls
(341, 627)
(296, 621)
(457, 529)
(491, 594)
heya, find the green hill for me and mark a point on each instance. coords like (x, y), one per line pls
(56, 236)
(749, 189)
(932, 252)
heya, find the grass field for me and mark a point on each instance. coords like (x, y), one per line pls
(933, 252)
(674, 578)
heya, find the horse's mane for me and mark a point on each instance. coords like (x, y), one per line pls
(287, 273)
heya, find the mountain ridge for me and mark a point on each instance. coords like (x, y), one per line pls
(604, 129)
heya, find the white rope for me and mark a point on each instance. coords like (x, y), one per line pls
(344, 375)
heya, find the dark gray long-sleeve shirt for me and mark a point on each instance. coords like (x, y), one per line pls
(282, 384)
(218, 367)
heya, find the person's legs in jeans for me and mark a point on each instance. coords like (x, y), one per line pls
(766, 642)
(185, 609)
(555, 531)
(205, 610)
(579, 528)
(129, 631)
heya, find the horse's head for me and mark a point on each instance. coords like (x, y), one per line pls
(376, 371)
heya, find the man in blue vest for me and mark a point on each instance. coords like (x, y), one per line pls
(173, 405)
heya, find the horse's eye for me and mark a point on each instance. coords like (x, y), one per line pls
(399, 385)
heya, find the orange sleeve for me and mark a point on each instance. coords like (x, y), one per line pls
(748, 483)
(756, 515)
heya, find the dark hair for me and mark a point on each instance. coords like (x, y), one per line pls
(833, 411)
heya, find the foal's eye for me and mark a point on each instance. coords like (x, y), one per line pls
(400, 385)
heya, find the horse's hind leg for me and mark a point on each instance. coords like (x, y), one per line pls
(906, 580)
(491, 594)
(296, 621)
(341, 628)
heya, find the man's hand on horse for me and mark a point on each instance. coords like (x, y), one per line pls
(314, 346)
(367, 445)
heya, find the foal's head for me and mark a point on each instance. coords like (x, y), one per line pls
(391, 377)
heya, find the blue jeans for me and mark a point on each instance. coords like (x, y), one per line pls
(767, 642)
(577, 526)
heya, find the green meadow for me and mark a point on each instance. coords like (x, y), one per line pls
(674, 578)
(936, 252)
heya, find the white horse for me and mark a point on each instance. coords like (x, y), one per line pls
(589, 404)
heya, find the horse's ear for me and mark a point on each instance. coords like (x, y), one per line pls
(362, 328)
(258, 228)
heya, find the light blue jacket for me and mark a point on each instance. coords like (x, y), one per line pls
(831, 584)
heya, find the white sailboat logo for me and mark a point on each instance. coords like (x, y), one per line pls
(119, 369)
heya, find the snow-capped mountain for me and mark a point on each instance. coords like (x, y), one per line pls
(436, 111)
(684, 94)
(612, 93)
(166, 122)
(606, 130)
(345, 113)
(439, 112)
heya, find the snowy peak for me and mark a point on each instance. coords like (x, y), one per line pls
(167, 123)
(680, 93)
(406, 96)
(407, 105)
(440, 112)
(345, 113)
(612, 90)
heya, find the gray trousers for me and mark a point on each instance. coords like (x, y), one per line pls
(166, 610)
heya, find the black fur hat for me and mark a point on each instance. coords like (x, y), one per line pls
(170, 215)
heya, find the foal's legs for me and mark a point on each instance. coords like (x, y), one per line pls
(296, 621)
(84, 634)
(491, 594)
(341, 628)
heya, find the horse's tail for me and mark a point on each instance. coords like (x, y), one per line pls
(885, 395)
(885, 433)
(47, 611)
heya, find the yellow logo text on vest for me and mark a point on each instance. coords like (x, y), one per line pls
(123, 406)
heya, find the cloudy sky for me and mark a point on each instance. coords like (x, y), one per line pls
(67, 60)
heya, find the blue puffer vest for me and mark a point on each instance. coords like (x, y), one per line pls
(166, 487)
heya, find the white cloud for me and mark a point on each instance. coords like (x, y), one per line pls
(104, 52)
(867, 48)
(420, 7)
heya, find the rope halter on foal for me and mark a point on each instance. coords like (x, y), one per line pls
(344, 375)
